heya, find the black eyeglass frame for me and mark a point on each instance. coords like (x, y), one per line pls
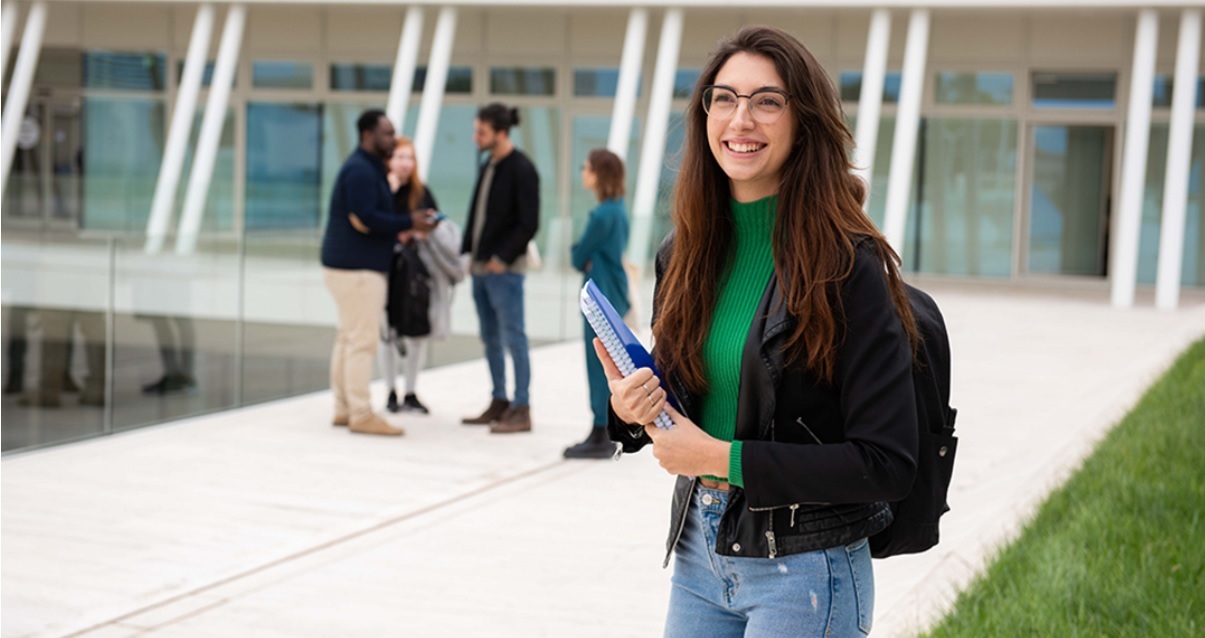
(769, 89)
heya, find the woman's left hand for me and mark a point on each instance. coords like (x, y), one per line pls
(687, 450)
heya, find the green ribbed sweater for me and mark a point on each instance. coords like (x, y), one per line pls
(739, 290)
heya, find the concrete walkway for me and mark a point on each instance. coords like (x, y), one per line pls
(267, 521)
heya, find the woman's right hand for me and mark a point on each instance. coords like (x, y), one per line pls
(637, 398)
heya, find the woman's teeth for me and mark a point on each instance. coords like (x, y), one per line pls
(744, 148)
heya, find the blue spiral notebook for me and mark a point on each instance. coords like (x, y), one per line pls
(625, 349)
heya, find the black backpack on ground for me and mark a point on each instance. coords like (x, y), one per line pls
(916, 516)
(409, 301)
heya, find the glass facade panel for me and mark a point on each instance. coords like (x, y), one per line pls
(1193, 271)
(123, 147)
(354, 76)
(591, 132)
(684, 82)
(1068, 198)
(599, 82)
(206, 73)
(1075, 90)
(125, 71)
(282, 74)
(45, 183)
(218, 215)
(975, 88)
(175, 329)
(1161, 97)
(523, 80)
(964, 225)
(284, 169)
(460, 80)
(851, 86)
(56, 293)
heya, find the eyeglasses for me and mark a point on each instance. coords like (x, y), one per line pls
(765, 105)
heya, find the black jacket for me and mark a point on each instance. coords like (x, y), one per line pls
(512, 211)
(819, 460)
(363, 189)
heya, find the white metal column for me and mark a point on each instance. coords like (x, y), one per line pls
(652, 151)
(870, 102)
(1179, 156)
(1133, 170)
(177, 137)
(433, 89)
(403, 67)
(211, 129)
(8, 26)
(907, 121)
(629, 81)
(18, 90)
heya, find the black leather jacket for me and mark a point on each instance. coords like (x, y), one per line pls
(819, 460)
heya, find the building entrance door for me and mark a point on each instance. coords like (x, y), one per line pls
(45, 186)
(1070, 186)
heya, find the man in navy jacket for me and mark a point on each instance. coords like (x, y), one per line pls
(357, 254)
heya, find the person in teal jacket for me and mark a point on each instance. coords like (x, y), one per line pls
(599, 255)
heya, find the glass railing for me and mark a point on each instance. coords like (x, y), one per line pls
(101, 336)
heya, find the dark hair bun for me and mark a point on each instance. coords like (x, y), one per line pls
(514, 117)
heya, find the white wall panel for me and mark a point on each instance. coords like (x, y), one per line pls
(370, 32)
(598, 33)
(813, 28)
(1082, 38)
(62, 26)
(527, 32)
(851, 31)
(701, 31)
(125, 26)
(280, 29)
(981, 36)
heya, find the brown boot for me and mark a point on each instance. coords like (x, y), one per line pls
(340, 420)
(374, 424)
(497, 409)
(517, 419)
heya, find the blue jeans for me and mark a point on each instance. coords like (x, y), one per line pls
(822, 593)
(499, 300)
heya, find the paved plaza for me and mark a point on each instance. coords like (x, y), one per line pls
(266, 521)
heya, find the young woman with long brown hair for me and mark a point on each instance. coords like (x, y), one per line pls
(783, 331)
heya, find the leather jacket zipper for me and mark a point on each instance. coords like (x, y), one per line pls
(770, 537)
(681, 523)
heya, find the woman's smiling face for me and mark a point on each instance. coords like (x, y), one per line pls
(751, 153)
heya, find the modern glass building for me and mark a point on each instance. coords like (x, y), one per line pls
(167, 164)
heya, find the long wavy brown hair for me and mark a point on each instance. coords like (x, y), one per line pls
(817, 225)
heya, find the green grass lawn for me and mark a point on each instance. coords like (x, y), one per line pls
(1120, 549)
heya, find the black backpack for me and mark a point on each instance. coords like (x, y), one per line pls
(409, 302)
(916, 516)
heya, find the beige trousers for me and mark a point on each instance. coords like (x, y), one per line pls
(359, 298)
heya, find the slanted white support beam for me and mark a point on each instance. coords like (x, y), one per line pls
(211, 130)
(652, 151)
(8, 26)
(1133, 168)
(162, 203)
(907, 122)
(870, 102)
(624, 109)
(1179, 157)
(18, 90)
(403, 67)
(433, 89)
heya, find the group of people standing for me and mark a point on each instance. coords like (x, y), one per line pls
(782, 327)
(385, 236)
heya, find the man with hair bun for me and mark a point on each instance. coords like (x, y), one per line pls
(503, 217)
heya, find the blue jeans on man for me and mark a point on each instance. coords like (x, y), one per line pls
(499, 301)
